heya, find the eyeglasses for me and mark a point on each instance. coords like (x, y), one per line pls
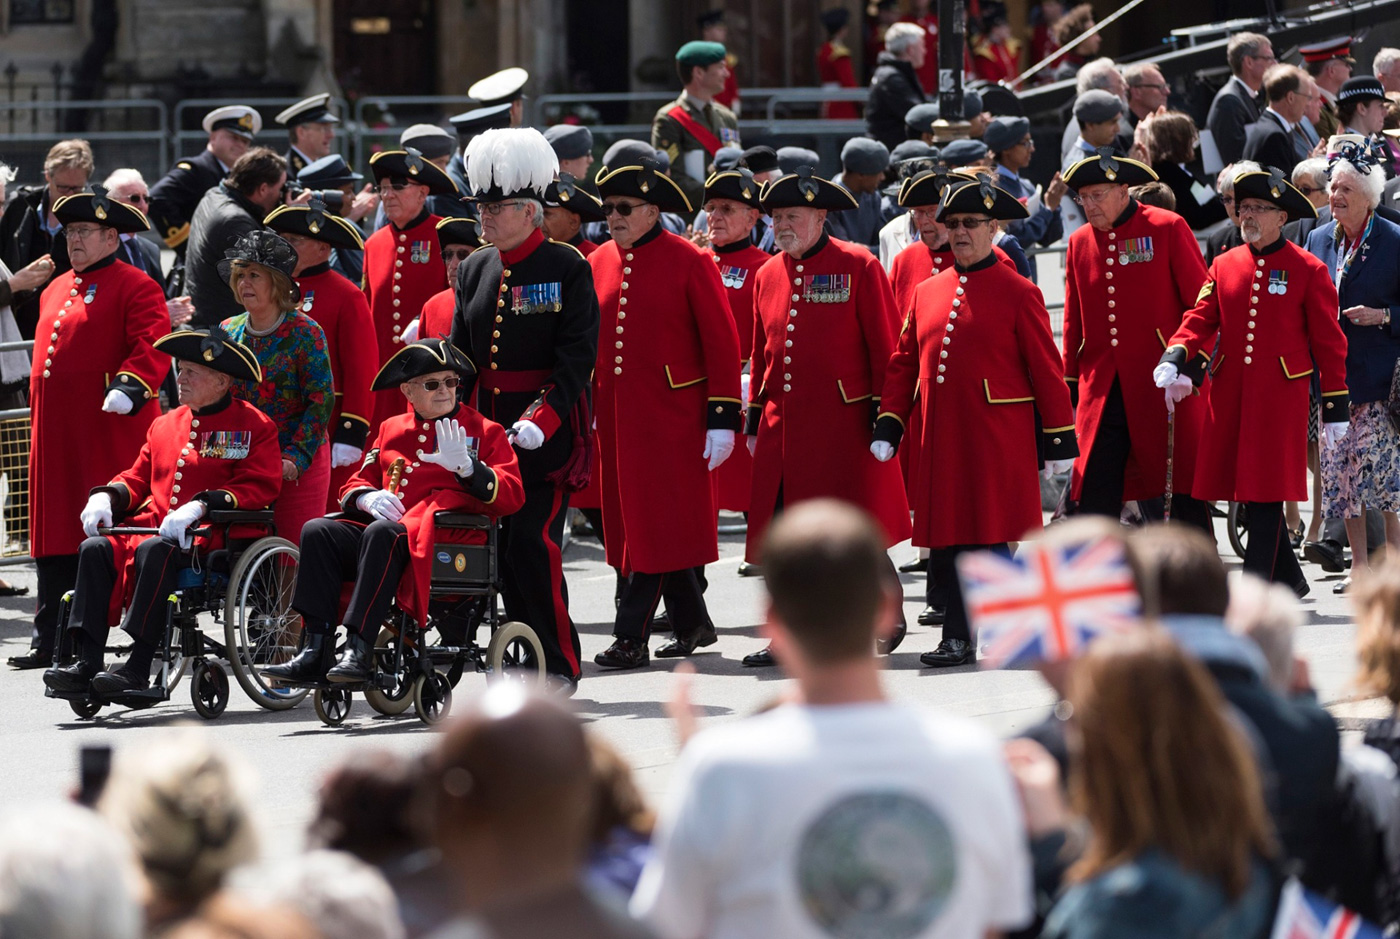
(953, 224)
(433, 384)
(1091, 198)
(1263, 58)
(496, 208)
(136, 197)
(397, 185)
(455, 254)
(1255, 209)
(1309, 190)
(1163, 87)
(62, 190)
(1227, 200)
(86, 231)
(621, 208)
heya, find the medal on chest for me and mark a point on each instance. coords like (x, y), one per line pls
(421, 252)
(733, 277)
(728, 136)
(91, 293)
(307, 300)
(826, 288)
(1278, 282)
(225, 444)
(1135, 251)
(537, 298)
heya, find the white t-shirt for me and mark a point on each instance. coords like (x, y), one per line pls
(870, 821)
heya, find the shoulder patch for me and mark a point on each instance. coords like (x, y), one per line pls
(1207, 289)
(184, 165)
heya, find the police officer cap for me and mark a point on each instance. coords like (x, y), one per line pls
(264, 248)
(1274, 188)
(409, 164)
(726, 158)
(1003, 133)
(1361, 89)
(1105, 167)
(96, 207)
(912, 150)
(699, 54)
(964, 152)
(565, 193)
(314, 222)
(790, 158)
(313, 110)
(645, 181)
(835, 19)
(736, 184)
(570, 141)
(479, 119)
(236, 118)
(802, 189)
(927, 187)
(626, 152)
(863, 155)
(458, 231)
(422, 358)
(212, 348)
(430, 140)
(503, 87)
(1096, 106)
(981, 197)
(328, 172)
(760, 159)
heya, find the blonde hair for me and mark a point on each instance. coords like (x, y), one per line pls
(75, 154)
(283, 290)
(1377, 604)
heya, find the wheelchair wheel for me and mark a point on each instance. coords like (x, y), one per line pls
(515, 654)
(209, 689)
(260, 627)
(86, 708)
(1236, 526)
(332, 705)
(432, 697)
(395, 700)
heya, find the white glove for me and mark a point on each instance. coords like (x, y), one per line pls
(452, 452)
(1164, 374)
(176, 526)
(744, 379)
(116, 402)
(342, 454)
(97, 513)
(882, 450)
(410, 332)
(382, 504)
(1334, 432)
(718, 445)
(528, 435)
(1179, 389)
(752, 440)
(1054, 468)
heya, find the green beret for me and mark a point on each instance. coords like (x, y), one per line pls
(699, 54)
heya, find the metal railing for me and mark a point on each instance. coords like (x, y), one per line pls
(14, 476)
(185, 139)
(148, 150)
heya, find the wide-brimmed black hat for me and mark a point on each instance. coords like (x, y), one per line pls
(458, 231)
(212, 348)
(313, 221)
(409, 164)
(803, 189)
(263, 247)
(1273, 187)
(565, 193)
(981, 197)
(422, 358)
(1104, 167)
(736, 184)
(97, 208)
(645, 182)
(927, 187)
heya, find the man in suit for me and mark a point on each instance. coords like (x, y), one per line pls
(1236, 104)
(1330, 64)
(1269, 141)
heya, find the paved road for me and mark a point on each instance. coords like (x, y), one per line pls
(291, 751)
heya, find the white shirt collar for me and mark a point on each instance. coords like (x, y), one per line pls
(1281, 119)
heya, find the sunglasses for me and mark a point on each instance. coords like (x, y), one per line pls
(456, 254)
(953, 224)
(433, 384)
(398, 185)
(621, 208)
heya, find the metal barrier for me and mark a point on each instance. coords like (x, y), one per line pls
(423, 109)
(146, 150)
(14, 477)
(186, 141)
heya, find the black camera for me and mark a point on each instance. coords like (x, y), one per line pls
(333, 198)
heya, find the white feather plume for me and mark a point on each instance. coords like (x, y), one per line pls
(512, 158)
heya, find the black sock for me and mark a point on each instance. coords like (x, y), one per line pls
(90, 651)
(139, 662)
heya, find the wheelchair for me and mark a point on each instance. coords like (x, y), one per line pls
(246, 585)
(464, 586)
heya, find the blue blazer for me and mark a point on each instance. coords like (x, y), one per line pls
(1374, 281)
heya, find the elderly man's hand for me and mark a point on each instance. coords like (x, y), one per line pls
(35, 274)
(176, 525)
(452, 452)
(382, 504)
(116, 402)
(97, 513)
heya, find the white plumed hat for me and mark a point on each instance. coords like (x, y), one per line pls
(510, 163)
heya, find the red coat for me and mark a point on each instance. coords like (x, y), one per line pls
(997, 62)
(834, 70)
(494, 489)
(1255, 435)
(1144, 301)
(436, 319)
(343, 315)
(95, 333)
(819, 360)
(227, 457)
(730, 93)
(738, 269)
(403, 270)
(676, 377)
(979, 352)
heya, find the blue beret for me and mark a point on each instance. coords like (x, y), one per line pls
(920, 118)
(1003, 133)
(912, 150)
(964, 152)
(863, 155)
(1096, 106)
(790, 158)
(726, 158)
(570, 141)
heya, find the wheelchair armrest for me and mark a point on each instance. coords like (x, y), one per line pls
(239, 517)
(464, 520)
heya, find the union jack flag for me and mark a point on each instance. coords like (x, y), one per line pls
(1049, 602)
(1302, 914)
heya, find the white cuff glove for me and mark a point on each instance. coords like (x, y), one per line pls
(116, 402)
(1334, 432)
(410, 332)
(97, 513)
(1179, 389)
(176, 526)
(882, 450)
(718, 445)
(382, 504)
(452, 452)
(342, 454)
(528, 435)
(1164, 374)
(1055, 468)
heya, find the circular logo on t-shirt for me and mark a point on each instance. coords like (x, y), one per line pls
(876, 865)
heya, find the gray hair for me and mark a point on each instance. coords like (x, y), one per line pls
(123, 176)
(1096, 74)
(536, 212)
(900, 36)
(1385, 60)
(66, 874)
(1268, 615)
(1371, 185)
(1312, 170)
(1241, 45)
(342, 895)
(1225, 182)
(7, 174)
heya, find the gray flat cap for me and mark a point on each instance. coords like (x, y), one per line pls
(726, 158)
(1003, 133)
(1096, 106)
(963, 152)
(912, 150)
(570, 141)
(790, 158)
(863, 155)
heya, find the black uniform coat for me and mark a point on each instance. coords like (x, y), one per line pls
(894, 89)
(1268, 143)
(176, 194)
(222, 217)
(23, 240)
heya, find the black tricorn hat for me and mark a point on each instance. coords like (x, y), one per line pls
(1104, 167)
(804, 189)
(646, 182)
(212, 348)
(737, 184)
(927, 187)
(409, 164)
(422, 358)
(1273, 187)
(458, 231)
(313, 221)
(566, 193)
(96, 207)
(981, 197)
(263, 247)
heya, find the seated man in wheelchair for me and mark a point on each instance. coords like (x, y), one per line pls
(212, 452)
(443, 455)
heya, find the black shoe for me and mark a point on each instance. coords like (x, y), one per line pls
(1302, 588)
(73, 678)
(1343, 586)
(950, 653)
(120, 681)
(680, 647)
(916, 566)
(1295, 537)
(1326, 554)
(887, 646)
(762, 659)
(624, 653)
(933, 615)
(311, 663)
(661, 623)
(560, 686)
(34, 658)
(357, 664)
(750, 570)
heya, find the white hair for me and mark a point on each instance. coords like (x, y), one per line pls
(1313, 170)
(1225, 182)
(122, 177)
(342, 895)
(536, 212)
(513, 158)
(1371, 185)
(1268, 615)
(66, 874)
(1385, 60)
(1098, 73)
(7, 174)
(900, 36)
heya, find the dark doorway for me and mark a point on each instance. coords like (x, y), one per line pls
(598, 53)
(386, 47)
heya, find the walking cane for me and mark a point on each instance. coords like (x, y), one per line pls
(1171, 454)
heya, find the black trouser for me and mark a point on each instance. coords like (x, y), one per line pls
(157, 565)
(58, 574)
(942, 563)
(532, 575)
(685, 602)
(332, 552)
(1270, 552)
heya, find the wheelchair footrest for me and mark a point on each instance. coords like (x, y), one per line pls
(140, 699)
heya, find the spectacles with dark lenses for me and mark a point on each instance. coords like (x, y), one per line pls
(398, 185)
(953, 224)
(621, 208)
(456, 254)
(433, 384)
